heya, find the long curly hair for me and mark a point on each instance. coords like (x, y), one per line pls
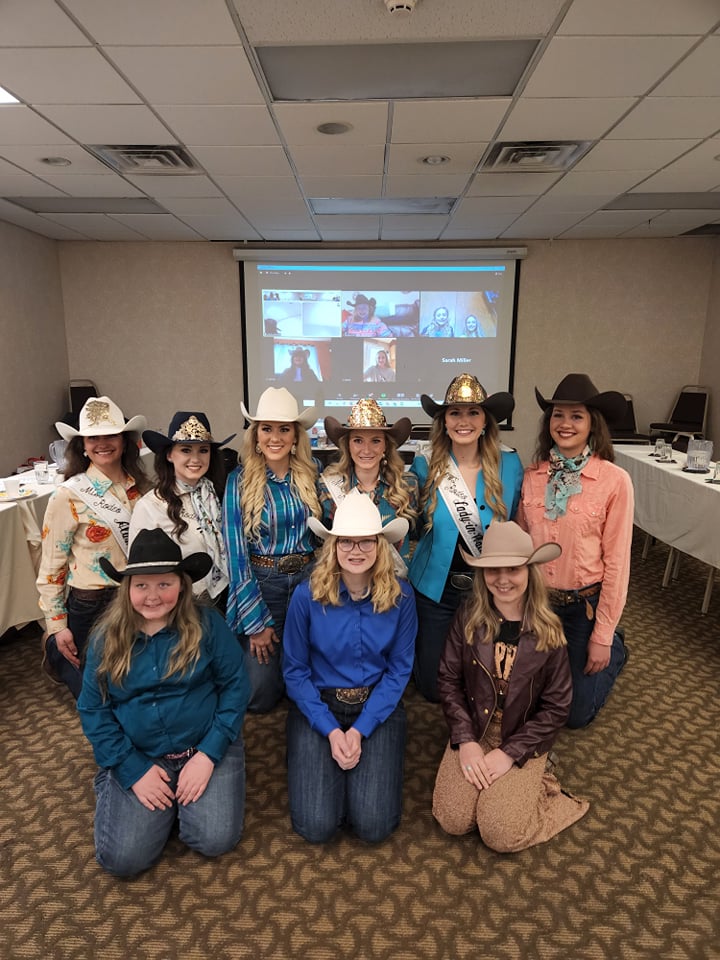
(325, 579)
(489, 450)
(599, 439)
(482, 616)
(76, 461)
(392, 470)
(165, 490)
(303, 479)
(116, 633)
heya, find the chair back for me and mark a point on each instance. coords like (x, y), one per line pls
(690, 411)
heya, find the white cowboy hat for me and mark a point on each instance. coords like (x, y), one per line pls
(507, 545)
(357, 516)
(278, 405)
(100, 417)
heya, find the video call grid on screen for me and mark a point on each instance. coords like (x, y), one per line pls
(333, 333)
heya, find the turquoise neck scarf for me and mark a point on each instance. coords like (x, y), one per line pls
(563, 481)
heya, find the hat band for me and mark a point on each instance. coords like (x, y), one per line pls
(153, 563)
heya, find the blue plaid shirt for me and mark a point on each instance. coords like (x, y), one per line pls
(283, 530)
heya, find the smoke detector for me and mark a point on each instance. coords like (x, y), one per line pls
(400, 6)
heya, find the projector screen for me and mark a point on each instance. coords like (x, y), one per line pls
(334, 332)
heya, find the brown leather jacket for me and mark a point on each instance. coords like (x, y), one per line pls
(537, 703)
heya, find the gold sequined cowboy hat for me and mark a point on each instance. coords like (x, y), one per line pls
(100, 417)
(467, 389)
(278, 405)
(185, 427)
(367, 415)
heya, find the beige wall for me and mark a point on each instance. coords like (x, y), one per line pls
(710, 365)
(33, 355)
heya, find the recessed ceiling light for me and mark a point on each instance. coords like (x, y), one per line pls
(334, 129)
(434, 161)
(6, 97)
(56, 161)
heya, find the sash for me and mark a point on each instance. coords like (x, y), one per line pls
(114, 515)
(335, 483)
(463, 509)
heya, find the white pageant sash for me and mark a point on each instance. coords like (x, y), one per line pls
(335, 483)
(110, 510)
(463, 509)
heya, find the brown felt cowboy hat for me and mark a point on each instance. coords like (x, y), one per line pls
(578, 388)
(367, 415)
(467, 389)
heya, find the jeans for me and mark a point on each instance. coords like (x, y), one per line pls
(323, 797)
(129, 838)
(267, 687)
(434, 621)
(589, 692)
(81, 616)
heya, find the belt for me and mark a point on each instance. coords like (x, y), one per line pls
(461, 581)
(351, 695)
(565, 598)
(91, 594)
(185, 755)
(290, 563)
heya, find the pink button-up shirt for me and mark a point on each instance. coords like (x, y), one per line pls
(595, 535)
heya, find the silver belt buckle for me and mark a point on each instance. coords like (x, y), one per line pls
(292, 564)
(352, 695)
(461, 581)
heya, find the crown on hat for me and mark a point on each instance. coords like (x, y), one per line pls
(192, 429)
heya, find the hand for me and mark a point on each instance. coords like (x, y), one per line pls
(261, 644)
(194, 778)
(598, 657)
(345, 747)
(65, 642)
(473, 765)
(152, 789)
(498, 763)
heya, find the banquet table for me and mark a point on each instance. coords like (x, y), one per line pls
(678, 508)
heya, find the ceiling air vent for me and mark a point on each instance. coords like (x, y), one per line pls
(144, 160)
(527, 156)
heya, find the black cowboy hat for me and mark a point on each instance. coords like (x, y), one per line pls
(152, 551)
(185, 427)
(467, 389)
(579, 388)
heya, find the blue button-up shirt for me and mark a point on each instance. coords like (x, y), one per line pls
(348, 646)
(151, 715)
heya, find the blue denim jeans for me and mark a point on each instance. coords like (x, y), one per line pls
(129, 838)
(434, 621)
(81, 616)
(323, 797)
(589, 692)
(267, 687)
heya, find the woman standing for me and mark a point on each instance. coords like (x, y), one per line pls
(349, 641)
(87, 518)
(268, 500)
(574, 495)
(369, 461)
(467, 480)
(186, 502)
(505, 688)
(162, 703)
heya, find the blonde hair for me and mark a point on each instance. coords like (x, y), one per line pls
(392, 471)
(325, 579)
(483, 618)
(489, 450)
(118, 628)
(303, 479)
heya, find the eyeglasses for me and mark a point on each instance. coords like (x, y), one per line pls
(346, 545)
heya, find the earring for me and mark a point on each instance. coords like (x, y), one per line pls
(293, 449)
(383, 462)
(257, 448)
(482, 432)
(86, 454)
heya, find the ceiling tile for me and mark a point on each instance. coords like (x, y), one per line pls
(162, 187)
(157, 226)
(554, 202)
(264, 221)
(589, 184)
(298, 123)
(197, 206)
(248, 161)
(11, 213)
(475, 209)
(655, 17)
(96, 226)
(223, 227)
(357, 223)
(406, 158)
(486, 228)
(326, 161)
(220, 126)
(187, 75)
(548, 225)
(351, 187)
(38, 24)
(682, 117)
(674, 180)
(29, 157)
(259, 210)
(604, 66)
(92, 185)
(673, 222)
(632, 154)
(697, 74)
(407, 227)
(609, 223)
(450, 121)
(108, 124)
(428, 185)
(563, 119)
(260, 189)
(511, 184)
(158, 22)
(15, 183)
(19, 124)
(62, 75)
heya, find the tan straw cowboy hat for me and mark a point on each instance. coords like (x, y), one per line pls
(100, 417)
(278, 405)
(357, 516)
(507, 545)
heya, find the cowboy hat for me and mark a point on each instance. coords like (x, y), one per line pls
(100, 417)
(507, 545)
(185, 427)
(367, 415)
(578, 388)
(152, 551)
(467, 389)
(357, 516)
(278, 405)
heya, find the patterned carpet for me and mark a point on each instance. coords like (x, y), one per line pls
(638, 877)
